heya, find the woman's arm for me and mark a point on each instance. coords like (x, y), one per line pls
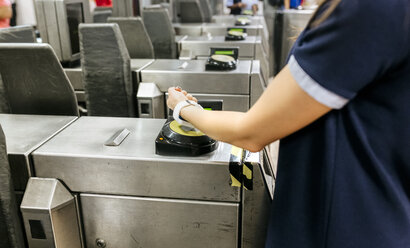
(5, 12)
(282, 109)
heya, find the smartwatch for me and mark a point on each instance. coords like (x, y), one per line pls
(179, 107)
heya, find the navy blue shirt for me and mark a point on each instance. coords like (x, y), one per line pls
(344, 180)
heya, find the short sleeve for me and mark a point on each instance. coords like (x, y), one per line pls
(352, 48)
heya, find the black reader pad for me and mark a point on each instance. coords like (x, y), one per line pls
(222, 59)
(235, 34)
(177, 140)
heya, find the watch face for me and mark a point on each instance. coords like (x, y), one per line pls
(222, 58)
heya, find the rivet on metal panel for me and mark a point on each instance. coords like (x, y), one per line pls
(100, 243)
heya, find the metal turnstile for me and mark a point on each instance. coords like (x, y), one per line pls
(239, 89)
(288, 25)
(131, 197)
(249, 49)
(24, 134)
(219, 29)
(231, 19)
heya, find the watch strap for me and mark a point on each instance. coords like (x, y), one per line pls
(177, 111)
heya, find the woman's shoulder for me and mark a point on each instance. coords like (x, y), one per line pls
(376, 7)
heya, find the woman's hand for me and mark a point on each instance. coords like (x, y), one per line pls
(241, 5)
(176, 95)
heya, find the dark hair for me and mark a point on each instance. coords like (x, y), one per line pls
(316, 18)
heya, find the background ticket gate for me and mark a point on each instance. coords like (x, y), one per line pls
(131, 197)
(199, 47)
(219, 29)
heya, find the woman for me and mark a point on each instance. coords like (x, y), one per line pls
(5, 13)
(341, 108)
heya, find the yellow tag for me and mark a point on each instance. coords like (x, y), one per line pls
(247, 172)
(235, 183)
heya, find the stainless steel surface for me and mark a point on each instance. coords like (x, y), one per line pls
(194, 78)
(220, 29)
(230, 102)
(139, 64)
(258, 84)
(157, 223)
(256, 204)
(255, 21)
(178, 38)
(78, 157)
(101, 243)
(185, 55)
(200, 45)
(263, 57)
(77, 204)
(270, 15)
(80, 94)
(53, 26)
(238, 89)
(150, 100)
(50, 215)
(271, 155)
(136, 66)
(117, 138)
(215, 29)
(191, 29)
(251, 48)
(75, 77)
(294, 21)
(231, 19)
(24, 134)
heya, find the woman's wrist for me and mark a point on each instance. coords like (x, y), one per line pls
(187, 111)
(182, 116)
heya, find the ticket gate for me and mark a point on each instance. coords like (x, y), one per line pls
(232, 19)
(238, 89)
(24, 134)
(156, 108)
(220, 29)
(128, 196)
(216, 29)
(249, 49)
(288, 25)
(249, 21)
